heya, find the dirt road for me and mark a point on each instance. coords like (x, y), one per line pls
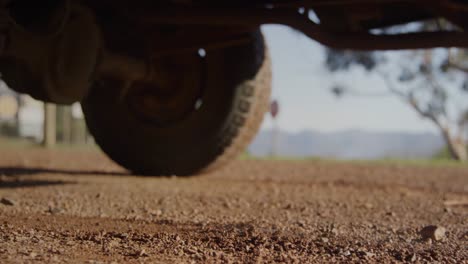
(71, 206)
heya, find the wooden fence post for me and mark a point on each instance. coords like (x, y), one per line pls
(50, 126)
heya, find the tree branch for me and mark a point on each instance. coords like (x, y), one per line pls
(390, 85)
(454, 65)
(458, 67)
(409, 99)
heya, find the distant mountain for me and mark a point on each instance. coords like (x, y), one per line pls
(350, 144)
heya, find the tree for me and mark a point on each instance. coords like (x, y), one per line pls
(432, 82)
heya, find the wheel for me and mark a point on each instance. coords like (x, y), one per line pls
(201, 111)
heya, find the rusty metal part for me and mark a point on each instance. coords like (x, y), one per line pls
(222, 27)
(339, 40)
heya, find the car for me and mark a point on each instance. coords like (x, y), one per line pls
(179, 87)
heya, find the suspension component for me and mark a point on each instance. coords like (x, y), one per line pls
(56, 61)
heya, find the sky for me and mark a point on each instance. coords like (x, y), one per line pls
(301, 84)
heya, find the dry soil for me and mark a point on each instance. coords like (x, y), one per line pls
(79, 207)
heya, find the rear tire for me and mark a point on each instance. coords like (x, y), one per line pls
(236, 85)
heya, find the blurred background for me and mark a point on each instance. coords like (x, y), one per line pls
(22, 121)
(330, 104)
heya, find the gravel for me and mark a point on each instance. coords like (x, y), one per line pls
(7, 202)
(436, 233)
(79, 207)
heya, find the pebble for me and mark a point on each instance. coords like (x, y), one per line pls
(335, 231)
(143, 253)
(301, 223)
(6, 201)
(54, 210)
(433, 232)
(156, 212)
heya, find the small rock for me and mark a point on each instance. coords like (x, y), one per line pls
(54, 210)
(192, 250)
(325, 240)
(435, 233)
(370, 254)
(227, 205)
(156, 212)
(143, 253)
(33, 254)
(335, 231)
(301, 223)
(8, 202)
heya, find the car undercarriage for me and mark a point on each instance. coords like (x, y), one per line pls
(176, 87)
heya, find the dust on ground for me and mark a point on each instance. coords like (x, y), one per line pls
(77, 206)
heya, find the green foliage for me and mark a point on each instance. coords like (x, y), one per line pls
(444, 154)
(16, 142)
(434, 162)
(339, 60)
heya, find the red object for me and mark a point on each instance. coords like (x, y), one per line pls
(274, 108)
